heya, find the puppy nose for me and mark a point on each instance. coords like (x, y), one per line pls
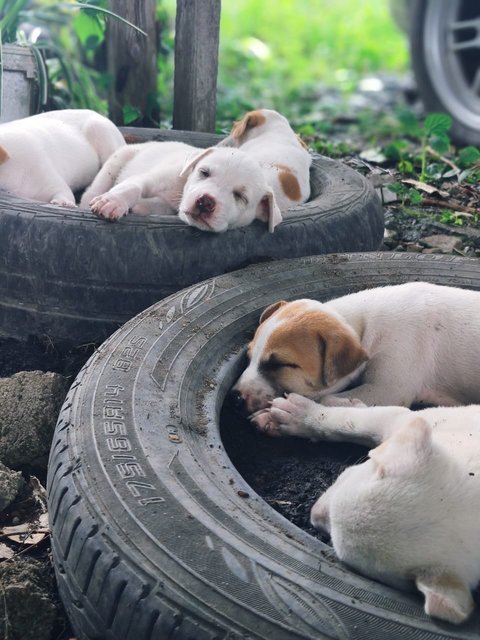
(236, 399)
(205, 205)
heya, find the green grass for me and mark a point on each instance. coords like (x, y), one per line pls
(278, 53)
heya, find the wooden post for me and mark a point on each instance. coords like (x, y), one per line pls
(132, 60)
(197, 29)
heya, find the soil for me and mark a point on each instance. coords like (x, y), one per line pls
(289, 473)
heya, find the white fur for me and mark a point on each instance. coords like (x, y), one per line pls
(49, 156)
(410, 514)
(423, 342)
(274, 143)
(213, 189)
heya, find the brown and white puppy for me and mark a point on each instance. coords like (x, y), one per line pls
(49, 156)
(214, 189)
(404, 344)
(267, 136)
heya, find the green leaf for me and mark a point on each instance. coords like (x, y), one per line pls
(405, 166)
(437, 124)
(468, 156)
(414, 196)
(440, 143)
(88, 29)
(130, 114)
(409, 123)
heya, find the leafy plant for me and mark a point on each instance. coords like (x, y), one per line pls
(434, 135)
(407, 195)
(66, 38)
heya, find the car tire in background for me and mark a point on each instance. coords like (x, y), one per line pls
(155, 535)
(445, 52)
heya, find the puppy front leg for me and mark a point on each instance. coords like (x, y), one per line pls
(108, 174)
(299, 416)
(116, 203)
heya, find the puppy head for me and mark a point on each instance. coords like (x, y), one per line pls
(387, 519)
(226, 189)
(300, 347)
(254, 124)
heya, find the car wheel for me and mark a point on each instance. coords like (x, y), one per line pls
(445, 51)
(155, 535)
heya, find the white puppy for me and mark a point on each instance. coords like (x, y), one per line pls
(410, 514)
(404, 344)
(267, 136)
(213, 189)
(49, 156)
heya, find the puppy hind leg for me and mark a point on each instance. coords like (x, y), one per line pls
(104, 137)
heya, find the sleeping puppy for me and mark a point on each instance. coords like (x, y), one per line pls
(267, 136)
(403, 344)
(49, 156)
(212, 189)
(409, 514)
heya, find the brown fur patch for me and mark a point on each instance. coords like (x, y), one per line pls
(4, 155)
(249, 121)
(302, 143)
(290, 185)
(317, 343)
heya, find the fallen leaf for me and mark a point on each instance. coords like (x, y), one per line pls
(5, 552)
(426, 188)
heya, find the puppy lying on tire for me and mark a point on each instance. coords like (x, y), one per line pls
(213, 189)
(267, 136)
(409, 514)
(49, 156)
(411, 343)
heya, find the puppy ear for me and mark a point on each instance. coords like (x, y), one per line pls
(406, 450)
(192, 161)
(266, 313)
(446, 597)
(4, 155)
(302, 143)
(342, 354)
(268, 211)
(249, 121)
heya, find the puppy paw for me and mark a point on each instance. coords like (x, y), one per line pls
(336, 401)
(295, 415)
(264, 421)
(290, 416)
(63, 202)
(109, 206)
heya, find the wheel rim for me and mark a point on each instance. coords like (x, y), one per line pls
(452, 53)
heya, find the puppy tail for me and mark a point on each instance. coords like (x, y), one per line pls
(4, 155)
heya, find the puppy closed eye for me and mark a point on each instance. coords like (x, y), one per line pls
(272, 364)
(240, 197)
(204, 172)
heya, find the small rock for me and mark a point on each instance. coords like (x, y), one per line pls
(433, 250)
(28, 611)
(445, 243)
(11, 483)
(30, 402)
(413, 247)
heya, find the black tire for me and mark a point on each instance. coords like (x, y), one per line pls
(444, 78)
(155, 535)
(73, 277)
